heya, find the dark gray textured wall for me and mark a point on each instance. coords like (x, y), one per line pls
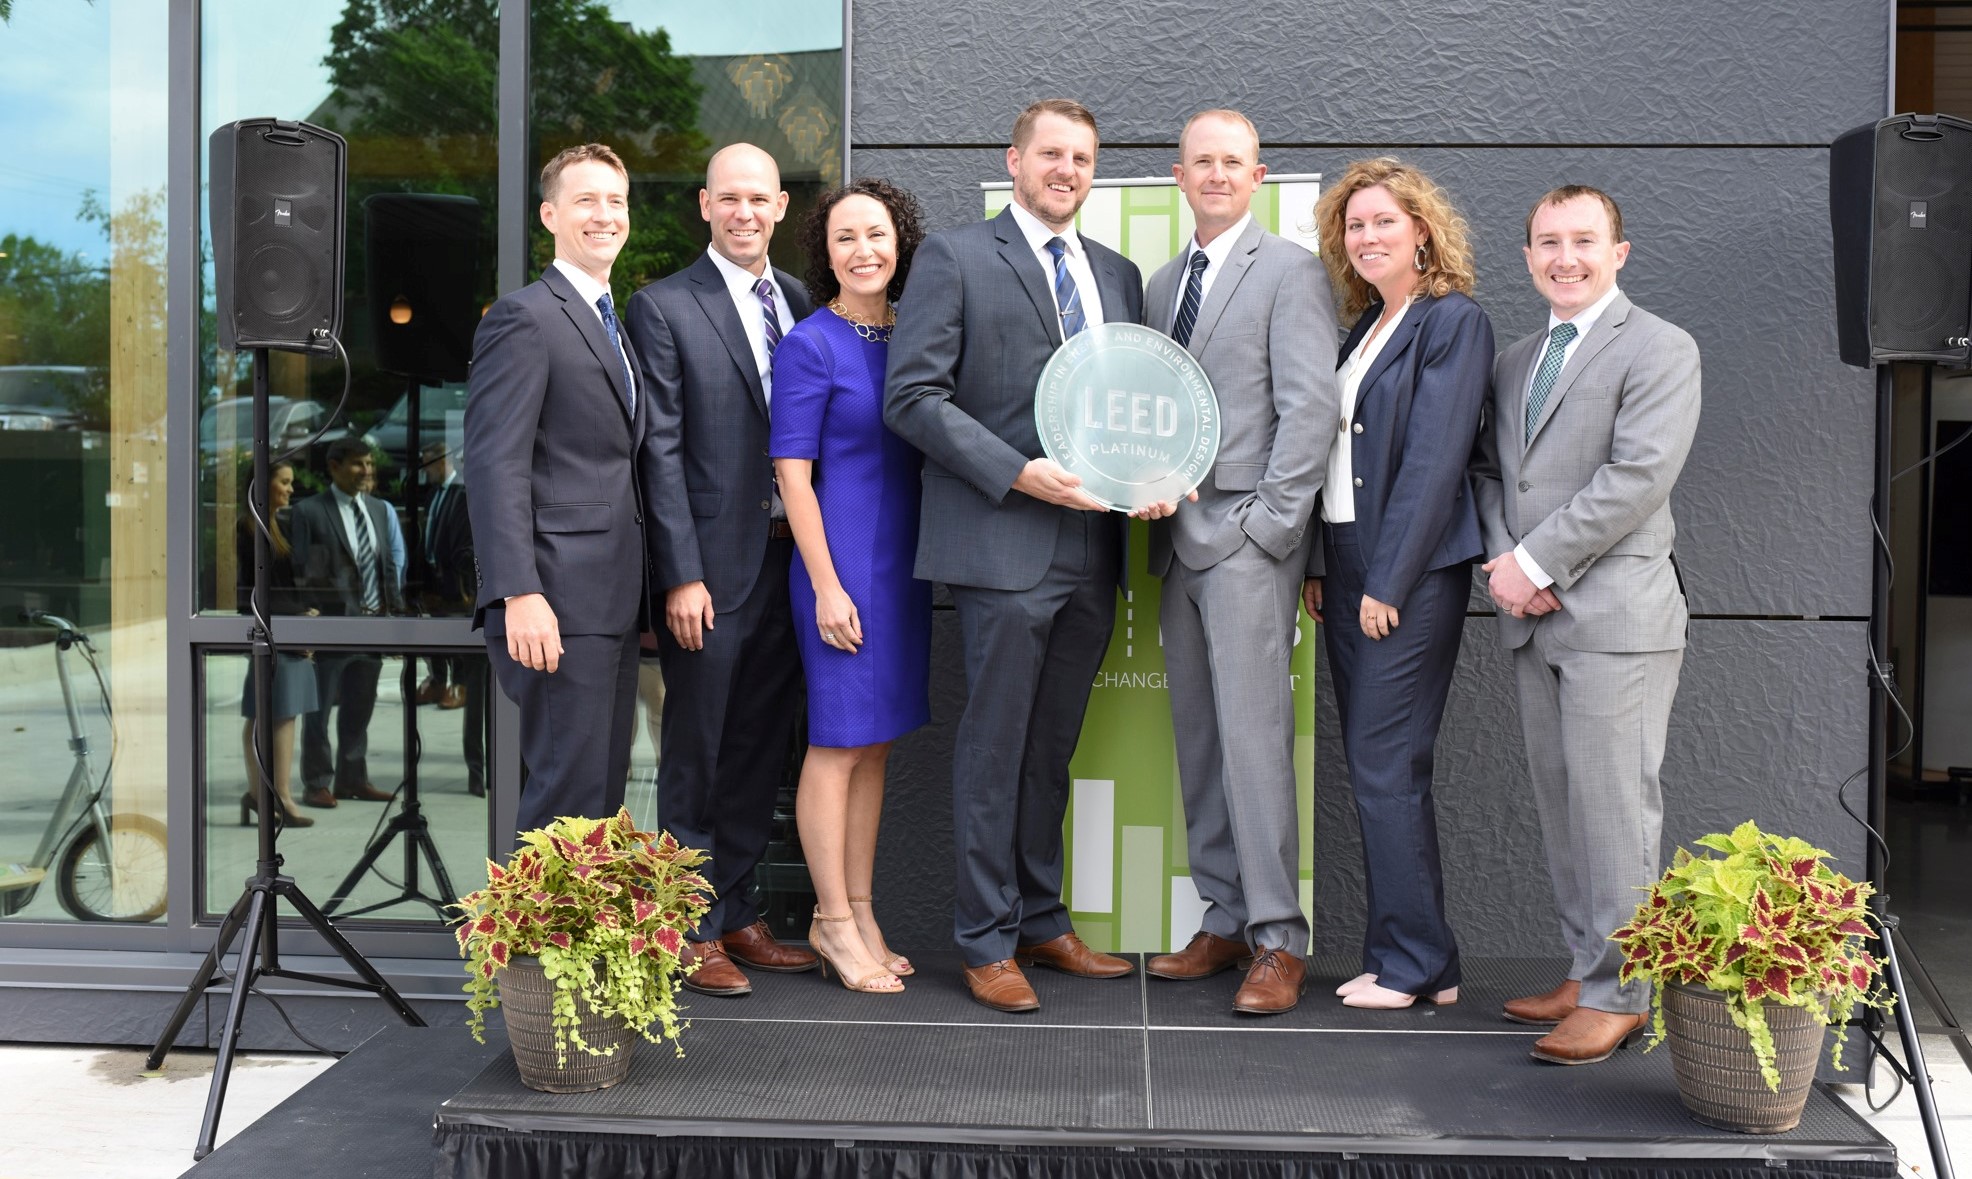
(1713, 137)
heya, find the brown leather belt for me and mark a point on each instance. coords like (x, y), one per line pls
(779, 530)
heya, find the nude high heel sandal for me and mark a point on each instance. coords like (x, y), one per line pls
(898, 964)
(869, 984)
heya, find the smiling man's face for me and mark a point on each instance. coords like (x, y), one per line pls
(1572, 254)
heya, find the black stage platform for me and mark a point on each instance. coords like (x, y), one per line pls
(1134, 1077)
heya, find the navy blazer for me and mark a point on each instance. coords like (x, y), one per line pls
(975, 327)
(1416, 419)
(552, 445)
(706, 471)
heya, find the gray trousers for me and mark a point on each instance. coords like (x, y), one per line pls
(1031, 657)
(1228, 635)
(1595, 725)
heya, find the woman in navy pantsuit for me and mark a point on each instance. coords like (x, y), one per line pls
(1390, 580)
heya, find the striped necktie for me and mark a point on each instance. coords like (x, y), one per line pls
(608, 311)
(1194, 294)
(366, 557)
(769, 314)
(1067, 299)
(1547, 374)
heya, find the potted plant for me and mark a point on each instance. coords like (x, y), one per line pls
(1754, 953)
(577, 937)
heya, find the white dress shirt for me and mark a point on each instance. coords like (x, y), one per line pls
(1075, 256)
(753, 314)
(590, 290)
(1584, 322)
(1215, 263)
(1339, 485)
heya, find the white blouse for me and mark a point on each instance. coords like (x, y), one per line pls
(1339, 486)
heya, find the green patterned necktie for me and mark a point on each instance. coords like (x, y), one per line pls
(1550, 370)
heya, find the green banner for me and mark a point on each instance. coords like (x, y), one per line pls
(1129, 882)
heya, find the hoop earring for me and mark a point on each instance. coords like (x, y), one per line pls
(1417, 259)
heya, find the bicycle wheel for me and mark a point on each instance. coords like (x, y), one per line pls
(137, 848)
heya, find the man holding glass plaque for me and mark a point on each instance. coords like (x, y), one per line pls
(1255, 310)
(1032, 560)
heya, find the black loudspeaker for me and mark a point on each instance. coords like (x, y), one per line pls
(277, 234)
(1900, 206)
(421, 258)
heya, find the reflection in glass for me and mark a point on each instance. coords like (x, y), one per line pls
(410, 86)
(83, 98)
(385, 845)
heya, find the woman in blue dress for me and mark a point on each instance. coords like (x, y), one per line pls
(863, 622)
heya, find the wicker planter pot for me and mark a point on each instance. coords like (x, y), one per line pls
(527, 1001)
(1718, 1076)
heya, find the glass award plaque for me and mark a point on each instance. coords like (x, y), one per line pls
(1129, 410)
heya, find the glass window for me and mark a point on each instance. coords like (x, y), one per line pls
(363, 780)
(411, 87)
(83, 99)
(667, 83)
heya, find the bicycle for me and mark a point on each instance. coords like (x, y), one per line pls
(108, 867)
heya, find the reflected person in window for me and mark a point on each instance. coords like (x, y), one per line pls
(862, 620)
(294, 673)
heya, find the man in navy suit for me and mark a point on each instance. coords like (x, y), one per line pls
(554, 421)
(720, 547)
(1032, 561)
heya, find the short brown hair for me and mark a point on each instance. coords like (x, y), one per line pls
(1448, 246)
(1230, 116)
(1067, 108)
(552, 170)
(1569, 192)
(905, 215)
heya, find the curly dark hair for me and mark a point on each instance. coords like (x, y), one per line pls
(905, 214)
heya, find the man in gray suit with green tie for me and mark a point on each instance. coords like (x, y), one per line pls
(1255, 310)
(1592, 420)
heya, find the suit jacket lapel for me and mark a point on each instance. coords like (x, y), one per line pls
(1109, 282)
(1400, 340)
(1015, 251)
(1237, 264)
(1160, 302)
(1600, 336)
(709, 285)
(590, 324)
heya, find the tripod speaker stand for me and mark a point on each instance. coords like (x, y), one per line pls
(255, 913)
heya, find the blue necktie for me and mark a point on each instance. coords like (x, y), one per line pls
(770, 316)
(1066, 298)
(1549, 372)
(1194, 294)
(616, 342)
(366, 557)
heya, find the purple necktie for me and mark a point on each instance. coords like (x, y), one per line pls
(765, 289)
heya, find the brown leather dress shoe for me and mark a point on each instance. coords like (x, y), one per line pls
(363, 792)
(1588, 1035)
(716, 974)
(1001, 986)
(1273, 984)
(1071, 955)
(453, 697)
(1548, 1009)
(427, 691)
(318, 796)
(1204, 956)
(755, 945)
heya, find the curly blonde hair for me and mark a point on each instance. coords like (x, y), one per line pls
(1447, 247)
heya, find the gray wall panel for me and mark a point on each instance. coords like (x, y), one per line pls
(1733, 246)
(1332, 71)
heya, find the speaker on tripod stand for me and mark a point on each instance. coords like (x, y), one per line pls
(277, 238)
(1900, 213)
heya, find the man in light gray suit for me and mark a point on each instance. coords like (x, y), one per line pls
(1032, 561)
(1592, 420)
(1255, 310)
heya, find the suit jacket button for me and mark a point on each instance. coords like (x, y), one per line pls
(1359, 482)
(766, 505)
(1358, 427)
(1526, 486)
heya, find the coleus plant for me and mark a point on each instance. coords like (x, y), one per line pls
(604, 907)
(1766, 921)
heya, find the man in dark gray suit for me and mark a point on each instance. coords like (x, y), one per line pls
(554, 421)
(720, 545)
(1032, 561)
(1592, 420)
(1255, 310)
(343, 566)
